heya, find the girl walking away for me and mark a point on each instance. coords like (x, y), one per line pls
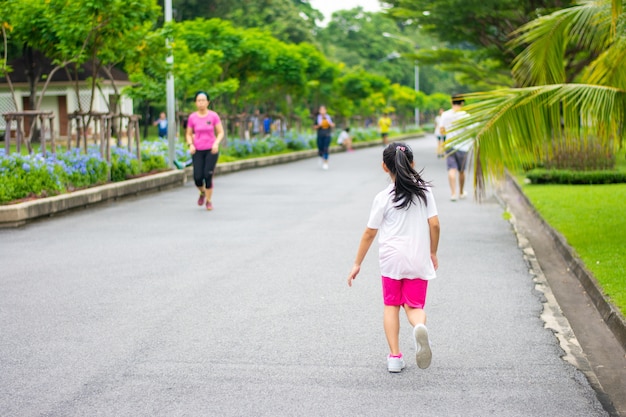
(204, 134)
(406, 216)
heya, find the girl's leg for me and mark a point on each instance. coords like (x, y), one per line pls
(391, 323)
(415, 315)
(414, 293)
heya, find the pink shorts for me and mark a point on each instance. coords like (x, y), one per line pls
(398, 292)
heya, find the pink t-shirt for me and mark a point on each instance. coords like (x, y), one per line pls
(203, 129)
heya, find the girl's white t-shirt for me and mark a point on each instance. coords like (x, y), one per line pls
(403, 236)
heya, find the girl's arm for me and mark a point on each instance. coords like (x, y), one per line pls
(366, 242)
(433, 224)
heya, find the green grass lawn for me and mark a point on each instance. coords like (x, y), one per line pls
(592, 219)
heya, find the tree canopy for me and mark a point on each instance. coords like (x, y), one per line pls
(265, 54)
(476, 34)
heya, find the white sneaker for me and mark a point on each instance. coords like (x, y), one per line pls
(463, 195)
(325, 166)
(395, 364)
(453, 197)
(423, 354)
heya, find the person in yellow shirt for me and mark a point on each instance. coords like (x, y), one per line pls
(384, 123)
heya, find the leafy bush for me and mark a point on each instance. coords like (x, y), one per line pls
(82, 170)
(297, 142)
(556, 176)
(364, 135)
(123, 164)
(154, 155)
(242, 149)
(238, 148)
(23, 176)
(152, 162)
(583, 155)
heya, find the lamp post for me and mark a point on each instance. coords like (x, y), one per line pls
(171, 99)
(416, 68)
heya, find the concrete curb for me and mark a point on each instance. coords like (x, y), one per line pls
(19, 214)
(15, 215)
(610, 314)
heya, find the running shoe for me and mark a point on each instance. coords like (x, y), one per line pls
(395, 364)
(423, 354)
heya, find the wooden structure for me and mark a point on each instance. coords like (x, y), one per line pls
(105, 124)
(101, 136)
(46, 120)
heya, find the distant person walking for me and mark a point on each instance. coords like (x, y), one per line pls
(406, 215)
(254, 124)
(441, 137)
(267, 125)
(384, 124)
(456, 160)
(161, 122)
(204, 134)
(324, 125)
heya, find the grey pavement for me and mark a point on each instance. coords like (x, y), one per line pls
(151, 306)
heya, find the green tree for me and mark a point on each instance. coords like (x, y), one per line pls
(404, 101)
(380, 45)
(291, 21)
(70, 33)
(519, 127)
(477, 34)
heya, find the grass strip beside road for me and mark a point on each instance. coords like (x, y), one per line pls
(592, 219)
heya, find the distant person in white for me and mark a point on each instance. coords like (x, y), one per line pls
(456, 160)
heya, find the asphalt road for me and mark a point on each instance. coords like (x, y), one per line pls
(152, 306)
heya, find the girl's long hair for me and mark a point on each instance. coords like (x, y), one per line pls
(398, 158)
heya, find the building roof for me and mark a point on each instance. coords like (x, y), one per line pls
(44, 64)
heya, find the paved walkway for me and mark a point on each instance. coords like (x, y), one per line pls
(150, 306)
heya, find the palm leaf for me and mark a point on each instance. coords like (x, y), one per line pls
(516, 128)
(608, 68)
(586, 26)
(616, 13)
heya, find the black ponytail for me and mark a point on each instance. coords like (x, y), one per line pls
(398, 158)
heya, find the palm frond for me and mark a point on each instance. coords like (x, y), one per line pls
(616, 12)
(608, 68)
(517, 128)
(587, 26)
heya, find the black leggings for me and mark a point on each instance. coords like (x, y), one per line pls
(203, 166)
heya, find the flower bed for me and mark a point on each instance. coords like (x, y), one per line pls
(25, 177)
(34, 176)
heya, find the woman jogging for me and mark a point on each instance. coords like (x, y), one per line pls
(406, 215)
(204, 134)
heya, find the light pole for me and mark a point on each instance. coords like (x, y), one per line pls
(171, 99)
(417, 72)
